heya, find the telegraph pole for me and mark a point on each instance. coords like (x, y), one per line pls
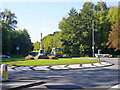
(93, 37)
(93, 41)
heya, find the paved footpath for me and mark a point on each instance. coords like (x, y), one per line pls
(98, 77)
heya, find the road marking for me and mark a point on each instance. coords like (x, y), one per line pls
(88, 65)
(41, 68)
(75, 66)
(114, 87)
(23, 68)
(58, 67)
(105, 63)
(98, 64)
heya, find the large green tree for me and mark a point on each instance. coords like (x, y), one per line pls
(8, 23)
(69, 33)
(86, 27)
(36, 46)
(52, 40)
(12, 38)
(22, 40)
(77, 28)
(56, 39)
(48, 43)
(102, 26)
(76, 31)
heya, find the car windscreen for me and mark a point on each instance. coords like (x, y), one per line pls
(58, 49)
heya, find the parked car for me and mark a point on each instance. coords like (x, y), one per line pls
(106, 55)
(4, 56)
(102, 55)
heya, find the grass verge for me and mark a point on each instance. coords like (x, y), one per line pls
(42, 62)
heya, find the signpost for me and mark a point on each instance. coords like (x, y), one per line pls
(17, 48)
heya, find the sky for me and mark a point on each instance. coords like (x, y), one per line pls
(43, 16)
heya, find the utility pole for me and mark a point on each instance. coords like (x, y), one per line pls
(93, 37)
(93, 41)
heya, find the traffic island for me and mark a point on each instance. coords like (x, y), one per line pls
(61, 67)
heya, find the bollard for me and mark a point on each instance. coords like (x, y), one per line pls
(98, 55)
(4, 72)
(98, 58)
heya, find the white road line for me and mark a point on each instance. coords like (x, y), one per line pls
(105, 63)
(23, 68)
(41, 68)
(87, 65)
(58, 67)
(74, 66)
(98, 64)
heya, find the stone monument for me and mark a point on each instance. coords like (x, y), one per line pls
(41, 52)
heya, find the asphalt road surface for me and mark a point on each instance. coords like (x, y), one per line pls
(103, 77)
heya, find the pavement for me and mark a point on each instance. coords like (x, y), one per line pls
(77, 76)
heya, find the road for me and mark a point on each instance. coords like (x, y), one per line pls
(103, 77)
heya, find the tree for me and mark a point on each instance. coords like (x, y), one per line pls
(76, 29)
(56, 39)
(69, 32)
(8, 23)
(113, 14)
(12, 38)
(22, 40)
(8, 20)
(36, 46)
(52, 40)
(48, 43)
(114, 36)
(25, 42)
(87, 14)
(102, 26)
